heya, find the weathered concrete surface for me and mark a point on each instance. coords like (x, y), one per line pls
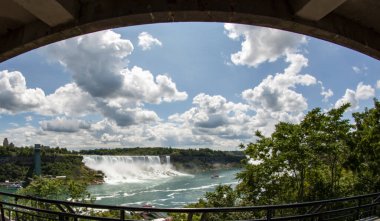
(23, 26)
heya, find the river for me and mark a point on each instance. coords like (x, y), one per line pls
(174, 191)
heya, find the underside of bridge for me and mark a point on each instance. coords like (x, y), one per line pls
(29, 24)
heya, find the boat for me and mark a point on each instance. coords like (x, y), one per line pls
(215, 176)
(14, 186)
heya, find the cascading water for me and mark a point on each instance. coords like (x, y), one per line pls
(130, 169)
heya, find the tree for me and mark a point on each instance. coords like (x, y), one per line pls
(365, 149)
(298, 161)
(5, 142)
(58, 189)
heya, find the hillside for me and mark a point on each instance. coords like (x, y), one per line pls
(17, 164)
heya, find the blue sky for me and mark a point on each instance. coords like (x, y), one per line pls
(180, 85)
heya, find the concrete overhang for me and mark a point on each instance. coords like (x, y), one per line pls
(29, 24)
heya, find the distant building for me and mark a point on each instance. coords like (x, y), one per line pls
(5, 142)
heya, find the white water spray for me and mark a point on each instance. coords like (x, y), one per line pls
(130, 169)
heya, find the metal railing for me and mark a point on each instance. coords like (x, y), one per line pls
(17, 207)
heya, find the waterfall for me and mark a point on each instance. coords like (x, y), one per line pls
(130, 169)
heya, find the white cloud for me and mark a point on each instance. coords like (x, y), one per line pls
(69, 100)
(363, 92)
(356, 69)
(64, 125)
(29, 135)
(275, 99)
(378, 84)
(140, 86)
(325, 93)
(147, 41)
(217, 120)
(124, 116)
(275, 93)
(213, 120)
(108, 50)
(212, 112)
(95, 60)
(28, 118)
(103, 84)
(15, 97)
(261, 44)
(360, 70)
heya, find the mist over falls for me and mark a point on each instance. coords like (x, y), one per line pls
(131, 169)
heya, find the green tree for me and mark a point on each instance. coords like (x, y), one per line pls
(365, 153)
(58, 189)
(298, 161)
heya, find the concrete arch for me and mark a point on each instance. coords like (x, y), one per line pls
(26, 25)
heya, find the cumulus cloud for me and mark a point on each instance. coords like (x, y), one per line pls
(141, 86)
(211, 121)
(69, 100)
(102, 83)
(147, 41)
(378, 84)
(15, 96)
(95, 60)
(275, 93)
(64, 125)
(213, 112)
(104, 75)
(126, 116)
(215, 116)
(275, 99)
(261, 44)
(362, 92)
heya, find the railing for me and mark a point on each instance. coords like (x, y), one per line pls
(17, 207)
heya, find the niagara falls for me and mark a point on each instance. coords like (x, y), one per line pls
(131, 169)
(151, 180)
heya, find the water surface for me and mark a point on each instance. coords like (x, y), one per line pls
(174, 191)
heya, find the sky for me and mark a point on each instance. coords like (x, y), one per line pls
(180, 84)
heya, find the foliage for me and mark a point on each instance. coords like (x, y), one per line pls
(297, 162)
(17, 164)
(58, 189)
(323, 156)
(365, 149)
(223, 196)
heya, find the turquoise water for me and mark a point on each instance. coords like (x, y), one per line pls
(175, 191)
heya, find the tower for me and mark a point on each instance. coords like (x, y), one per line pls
(37, 159)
